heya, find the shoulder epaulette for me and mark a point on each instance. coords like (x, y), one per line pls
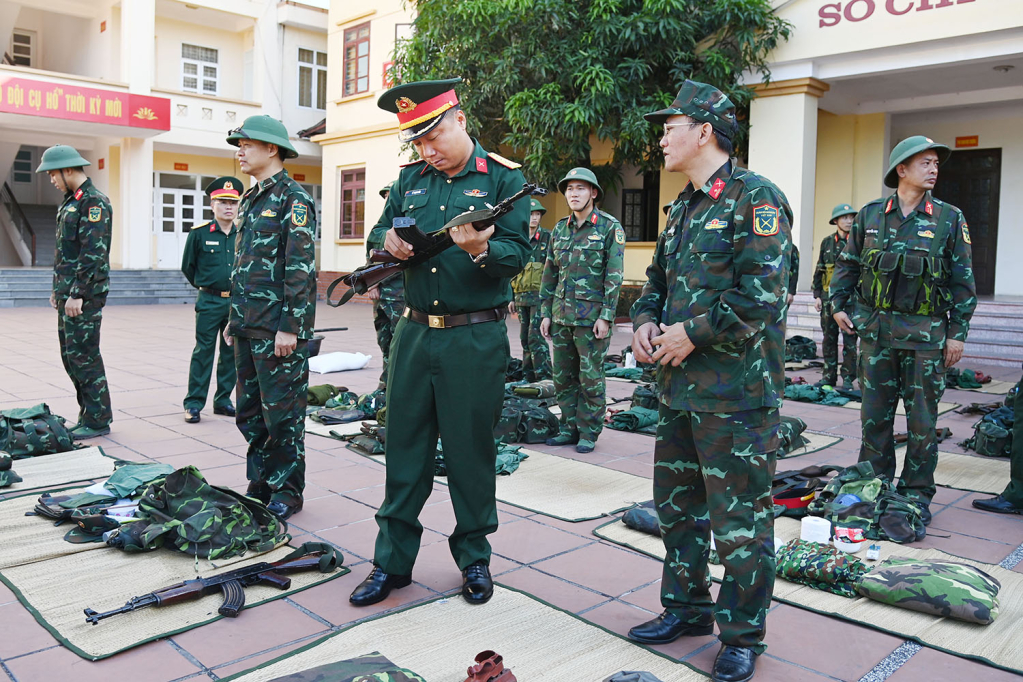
(503, 161)
(411, 163)
(198, 225)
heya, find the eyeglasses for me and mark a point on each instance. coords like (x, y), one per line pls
(668, 127)
(237, 131)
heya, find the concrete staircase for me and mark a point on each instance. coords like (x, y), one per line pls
(996, 330)
(31, 287)
(43, 220)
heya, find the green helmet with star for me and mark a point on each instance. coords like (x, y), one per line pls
(909, 148)
(264, 129)
(584, 174)
(841, 210)
(61, 156)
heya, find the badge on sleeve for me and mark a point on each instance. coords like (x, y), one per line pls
(619, 235)
(299, 214)
(966, 234)
(765, 220)
(95, 214)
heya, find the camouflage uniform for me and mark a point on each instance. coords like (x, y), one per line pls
(720, 269)
(830, 248)
(536, 354)
(581, 283)
(81, 269)
(903, 314)
(387, 309)
(273, 288)
(793, 270)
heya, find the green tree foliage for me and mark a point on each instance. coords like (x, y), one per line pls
(541, 76)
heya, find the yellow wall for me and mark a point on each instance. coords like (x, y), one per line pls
(230, 46)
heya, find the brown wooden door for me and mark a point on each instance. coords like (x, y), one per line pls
(971, 180)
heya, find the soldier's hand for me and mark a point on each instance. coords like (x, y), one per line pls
(601, 328)
(673, 345)
(788, 299)
(817, 304)
(285, 344)
(469, 240)
(844, 323)
(374, 294)
(953, 352)
(73, 307)
(642, 347)
(53, 301)
(396, 246)
(511, 308)
(545, 328)
(228, 339)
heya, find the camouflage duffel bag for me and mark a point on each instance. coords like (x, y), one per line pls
(30, 431)
(992, 440)
(949, 589)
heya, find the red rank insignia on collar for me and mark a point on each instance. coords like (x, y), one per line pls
(889, 207)
(928, 208)
(79, 193)
(481, 164)
(717, 188)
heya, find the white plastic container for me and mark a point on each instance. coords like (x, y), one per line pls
(815, 529)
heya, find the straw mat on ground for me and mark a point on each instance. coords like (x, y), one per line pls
(997, 387)
(818, 441)
(57, 590)
(27, 539)
(975, 473)
(997, 644)
(943, 407)
(439, 639)
(567, 489)
(46, 471)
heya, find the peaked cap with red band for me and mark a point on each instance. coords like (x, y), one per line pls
(226, 187)
(419, 105)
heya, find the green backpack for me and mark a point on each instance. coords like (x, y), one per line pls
(31, 431)
(523, 421)
(646, 396)
(992, 440)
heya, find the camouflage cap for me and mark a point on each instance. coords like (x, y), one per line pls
(535, 205)
(703, 103)
(386, 189)
(909, 148)
(841, 210)
(419, 105)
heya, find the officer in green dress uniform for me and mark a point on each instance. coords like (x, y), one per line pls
(536, 355)
(207, 264)
(579, 294)
(904, 284)
(712, 313)
(449, 353)
(842, 218)
(388, 298)
(81, 280)
(273, 306)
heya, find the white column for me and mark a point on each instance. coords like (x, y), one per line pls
(138, 44)
(8, 19)
(266, 61)
(783, 148)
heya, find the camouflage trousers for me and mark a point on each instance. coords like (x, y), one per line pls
(712, 473)
(271, 414)
(829, 349)
(918, 378)
(536, 354)
(211, 314)
(579, 378)
(386, 313)
(1014, 491)
(79, 351)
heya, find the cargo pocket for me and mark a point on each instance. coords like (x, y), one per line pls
(711, 266)
(753, 451)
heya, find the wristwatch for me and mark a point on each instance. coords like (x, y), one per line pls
(481, 257)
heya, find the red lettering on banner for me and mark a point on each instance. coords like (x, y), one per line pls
(92, 105)
(830, 14)
(833, 13)
(889, 7)
(867, 11)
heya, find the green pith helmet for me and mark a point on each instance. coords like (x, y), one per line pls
(265, 129)
(909, 148)
(841, 210)
(535, 205)
(387, 189)
(61, 156)
(584, 174)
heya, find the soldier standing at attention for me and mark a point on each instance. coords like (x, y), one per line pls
(712, 313)
(81, 280)
(207, 263)
(904, 284)
(842, 218)
(536, 355)
(273, 304)
(450, 351)
(388, 298)
(579, 293)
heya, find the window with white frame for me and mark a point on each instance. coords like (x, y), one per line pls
(23, 47)
(316, 192)
(21, 171)
(199, 69)
(312, 78)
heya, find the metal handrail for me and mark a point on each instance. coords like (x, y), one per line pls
(18, 217)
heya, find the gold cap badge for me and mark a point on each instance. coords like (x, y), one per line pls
(404, 104)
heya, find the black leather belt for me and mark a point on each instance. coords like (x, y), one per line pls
(445, 321)
(216, 292)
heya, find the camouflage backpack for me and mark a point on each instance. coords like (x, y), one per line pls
(992, 440)
(799, 348)
(31, 431)
(646, 396)
(523, 421)
(184, 512)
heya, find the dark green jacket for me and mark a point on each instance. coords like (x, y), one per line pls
(451, 283)
(720, 268)
(831, 246)
(932, 220)
(209, 256)
(539, 247)
(793, 271)
(273, 285)
(81, 263)
(583, 274)
(394, 288)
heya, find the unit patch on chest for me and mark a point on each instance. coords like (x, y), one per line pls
(415, 192)
(269, 214)
(765, 220)
(925, 233)
(716, 224)
(474, 193)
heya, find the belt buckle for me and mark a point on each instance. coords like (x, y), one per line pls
(436, 321)
(225, 294)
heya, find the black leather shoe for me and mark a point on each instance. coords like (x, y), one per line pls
(666, 628)
(477, 585)
(734, 664)
(283, 510)
(260, 491)
(998, 505)
(192, 415)
(925, 513)
(226, 410)
(377, 586)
